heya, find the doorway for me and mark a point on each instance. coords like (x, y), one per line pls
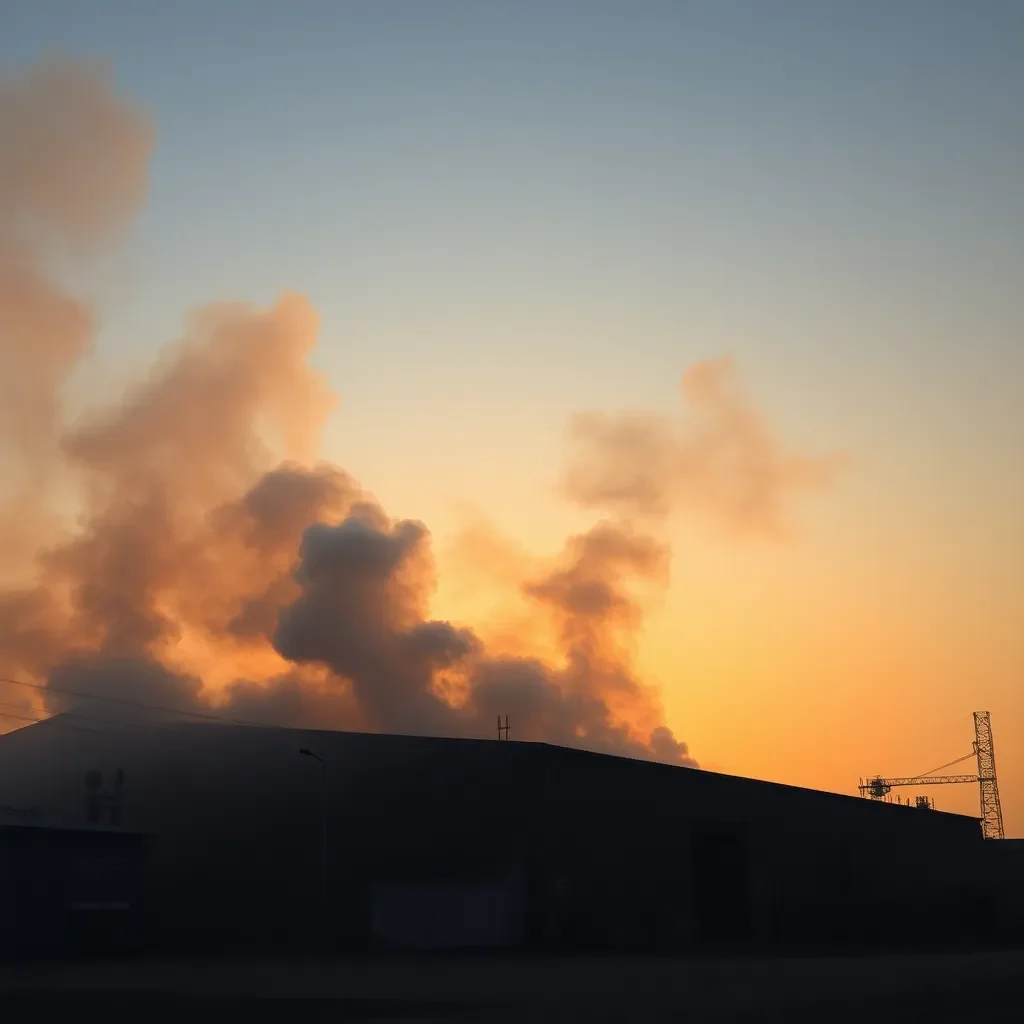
(721, 885)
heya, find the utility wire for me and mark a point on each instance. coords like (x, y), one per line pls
(58, 724)
(130, 723)
(62, 715)
(45, 688)
(18, 707)
(100, 724)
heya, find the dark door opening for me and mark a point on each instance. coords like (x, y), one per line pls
(721, 887)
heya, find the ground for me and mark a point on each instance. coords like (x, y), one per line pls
(944, 988)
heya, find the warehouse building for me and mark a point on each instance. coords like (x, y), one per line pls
(390, 841)
(1004, 873)
(68, 890)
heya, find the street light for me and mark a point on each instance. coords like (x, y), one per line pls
(323, 841)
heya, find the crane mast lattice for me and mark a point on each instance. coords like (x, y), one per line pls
(878, 788)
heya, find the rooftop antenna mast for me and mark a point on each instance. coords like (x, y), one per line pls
(502, 729)
(988, 785)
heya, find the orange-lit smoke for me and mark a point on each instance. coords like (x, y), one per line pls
(721, 459)
(215, 563)
(72, 171)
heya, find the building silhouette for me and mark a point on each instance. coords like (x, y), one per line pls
(454, 843)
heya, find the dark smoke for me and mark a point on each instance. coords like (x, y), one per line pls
(365, 589)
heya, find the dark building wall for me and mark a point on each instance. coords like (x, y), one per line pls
(765, 862)
(69, 891)
(605, 851)
(1003, 871)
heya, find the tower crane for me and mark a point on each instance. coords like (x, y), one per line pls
(983, 752)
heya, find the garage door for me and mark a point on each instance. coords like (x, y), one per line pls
(450, 914)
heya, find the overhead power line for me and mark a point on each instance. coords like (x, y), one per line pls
(59, 724)
(62, 718)
(221, 719)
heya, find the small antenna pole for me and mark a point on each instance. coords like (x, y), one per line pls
(502, 729)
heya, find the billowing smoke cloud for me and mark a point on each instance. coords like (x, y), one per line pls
(721, 458)
(165, 543)
(72, 172)
(362, 612)
(366, 585)
(590, 597)
(215, 566)
(117, 681)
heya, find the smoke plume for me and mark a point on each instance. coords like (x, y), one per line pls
(72, 172)
(214, 565)
(720, 459)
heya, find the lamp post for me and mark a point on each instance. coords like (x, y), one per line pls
(323, 842)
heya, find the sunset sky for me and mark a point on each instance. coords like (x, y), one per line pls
(509, 214)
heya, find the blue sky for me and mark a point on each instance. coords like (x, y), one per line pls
(505, 212)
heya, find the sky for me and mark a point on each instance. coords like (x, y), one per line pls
(508, 214)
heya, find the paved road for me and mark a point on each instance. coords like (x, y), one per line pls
(947, 989)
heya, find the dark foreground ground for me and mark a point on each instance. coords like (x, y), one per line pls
(875, 989)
